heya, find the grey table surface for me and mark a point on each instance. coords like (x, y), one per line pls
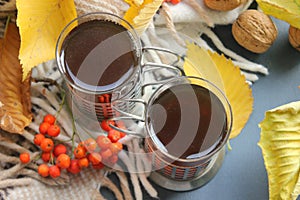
(243, 175)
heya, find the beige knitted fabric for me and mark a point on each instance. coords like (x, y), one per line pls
(82, 186)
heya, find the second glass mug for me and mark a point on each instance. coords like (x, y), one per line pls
(187, 121)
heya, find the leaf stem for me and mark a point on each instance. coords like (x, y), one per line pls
(229, 146)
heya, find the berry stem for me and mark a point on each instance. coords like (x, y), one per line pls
(37, 157)
(63, 96)
(73, 128)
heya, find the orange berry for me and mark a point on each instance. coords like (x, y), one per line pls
(47, 145)
(79, 152)
(90, 144)
(122, 134)
(175, 1)
(121, 125)
(49, 118)
(114, 135)
(83, 162)
(74, 167)
(95, 158)
(38, 139)
(54, 171)
(53, 130)
(43, 170)
(98, 166)
(46, 156)
(63, 161)
(24, 157)
(113, 159)
(105, 154)
(116, 147)
(103, 142)
(81, 145)
(105, 125)
(43, 128)
(59, 149)
(101, 99)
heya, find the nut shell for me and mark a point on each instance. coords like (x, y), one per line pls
(254, 31)
(223, 5)
(294, 37)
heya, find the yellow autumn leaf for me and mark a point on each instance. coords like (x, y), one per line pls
(222, 72)
(199, 63)
(287, 10)
(280, 144)
(140, 13)
(40, 23)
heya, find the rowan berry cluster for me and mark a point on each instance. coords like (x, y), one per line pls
(57, 156)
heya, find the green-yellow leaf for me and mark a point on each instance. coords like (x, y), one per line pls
(287, 10)
(280, 144)
(140, 13)
(40, 23)
(224, 74)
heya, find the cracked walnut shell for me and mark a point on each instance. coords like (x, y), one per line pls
(254, 31)
(294, 37)
(223, 5)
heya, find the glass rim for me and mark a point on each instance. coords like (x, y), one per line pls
(222, 142)
(64, 33)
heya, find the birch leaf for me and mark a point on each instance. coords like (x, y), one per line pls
(140, 14)
(15, 104)
(287, 10)
(40, 23)
(280, 144)
(224, 74)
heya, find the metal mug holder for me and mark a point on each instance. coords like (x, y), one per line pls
(177, 175)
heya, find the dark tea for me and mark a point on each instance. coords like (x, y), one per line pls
(189, 121)
(99, 55)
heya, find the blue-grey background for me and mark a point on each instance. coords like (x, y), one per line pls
(243, 175)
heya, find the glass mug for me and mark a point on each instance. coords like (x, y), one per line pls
(187, 124)
(99, 55)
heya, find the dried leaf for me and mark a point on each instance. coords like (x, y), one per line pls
(288, 10)
(222, 72)
(140, 14)
(15, 104)
(40, 23)
(280, 144)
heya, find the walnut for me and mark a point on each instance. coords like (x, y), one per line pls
(223, 5)
(294, 37)
(254, 31)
